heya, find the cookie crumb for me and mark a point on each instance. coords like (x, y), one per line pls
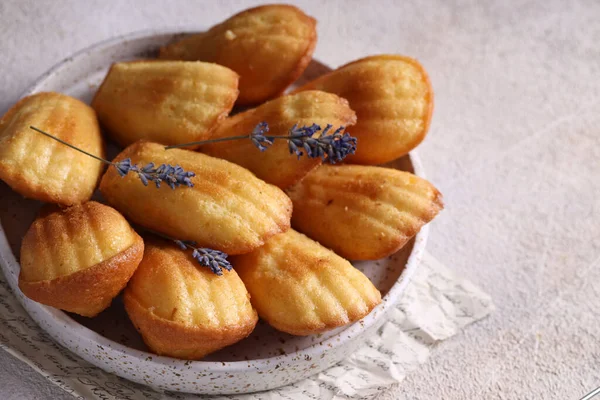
(229, 35)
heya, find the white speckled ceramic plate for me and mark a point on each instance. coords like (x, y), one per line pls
(267, 358)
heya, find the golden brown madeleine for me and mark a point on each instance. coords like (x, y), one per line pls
(269, 46)
(228, 209)
(181, 308)
(276, 165)
(363, 212)
(393, 99)
(302, 288)
(39, 167)
(78, 259)
(167, 102)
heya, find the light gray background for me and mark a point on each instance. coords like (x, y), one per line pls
(514, 146)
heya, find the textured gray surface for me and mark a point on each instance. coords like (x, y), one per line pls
(514, 146)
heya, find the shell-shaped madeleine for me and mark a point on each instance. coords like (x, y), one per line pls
(363, 212)
(181, 308)
(78, 259)
(269, 46)
(303, 288)
(393, 100)
(276, 165)
(228, 209)
(167, 102)
(39, 167)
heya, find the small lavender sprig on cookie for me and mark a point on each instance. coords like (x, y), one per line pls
(214, 259)
(336, 145)
(174, 176)
(210, 258)
(308, 139)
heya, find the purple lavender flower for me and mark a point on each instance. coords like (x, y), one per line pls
(124, 166)
(174, 176)
(340, 146)
(258, 136)
(335, 146)
(214, 259)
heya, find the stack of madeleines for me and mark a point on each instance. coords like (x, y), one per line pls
(289, 268)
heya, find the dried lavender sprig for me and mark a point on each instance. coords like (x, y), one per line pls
(174, 176)
(335, 146)
(214, 259)
(330, 147)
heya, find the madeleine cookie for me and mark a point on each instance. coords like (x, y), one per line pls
(276, 165)
(302, 288)
(363, 212)
(227, 209)
(269, 46)
(393, 100)
(78, 259)
(168, 102)
(182, 309)
(41, 168)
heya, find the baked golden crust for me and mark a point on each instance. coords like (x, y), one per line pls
(393, 99)
(168, 102)
(363, 212)
(182, 309)
(269, 46)
(78, 259)
(228, 209)
(276, 165)
(302, 288)
(39, 167)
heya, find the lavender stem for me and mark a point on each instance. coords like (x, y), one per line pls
(70, 145)
(224, 139)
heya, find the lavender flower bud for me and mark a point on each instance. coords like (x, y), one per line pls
(258, 137)
(124, 166)
(214, 259)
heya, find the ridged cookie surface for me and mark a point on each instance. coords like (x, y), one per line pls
(78, 259)
(276, 165)
(167, 102)
(39, 167)
(302, 288)
(393, 100)
(268, 46)
(182, 309)
(363, 212)
(228, 209)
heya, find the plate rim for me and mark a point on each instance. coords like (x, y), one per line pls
(86, 335)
